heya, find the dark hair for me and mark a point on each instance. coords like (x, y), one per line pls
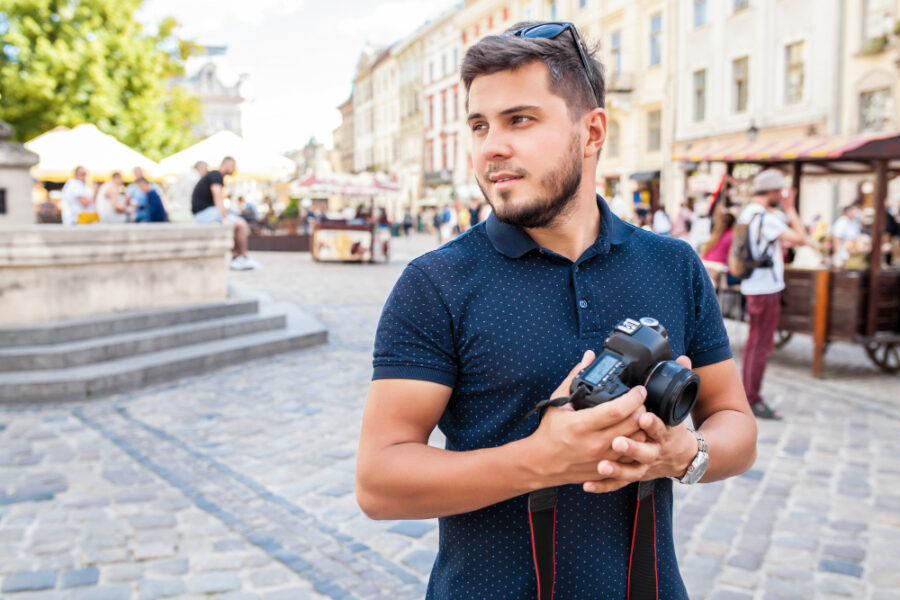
(496, 53)
(141, 180)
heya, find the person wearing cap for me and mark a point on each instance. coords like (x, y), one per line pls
(768, 227)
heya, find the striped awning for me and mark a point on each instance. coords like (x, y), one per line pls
(823, 148)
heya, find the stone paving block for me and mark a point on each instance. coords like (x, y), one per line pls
(850, 553)
(28, 581)
(843, 567)
(76, 578)
(172, 566)
(229, 545)
(123, 572)
(295, 593)
(336, 491)
(119, 591)
(421, 560)
(269, 578)
(217, 581)
(153, 521)
(414, 529)
(747, 561)
(152, 550)
(151, 589)
(730, 595)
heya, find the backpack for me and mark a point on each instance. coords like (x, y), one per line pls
(741, 263)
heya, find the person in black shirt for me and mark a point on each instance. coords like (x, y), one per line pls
(208, 206)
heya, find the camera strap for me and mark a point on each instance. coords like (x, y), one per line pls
(642, 574)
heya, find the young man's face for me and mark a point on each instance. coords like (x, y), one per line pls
(527, 153)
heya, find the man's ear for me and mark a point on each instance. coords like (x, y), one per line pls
(595, 122)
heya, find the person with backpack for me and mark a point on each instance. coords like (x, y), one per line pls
(756, 258)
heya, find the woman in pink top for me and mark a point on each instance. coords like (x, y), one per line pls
(715, 251)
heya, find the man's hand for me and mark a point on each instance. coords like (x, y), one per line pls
(569, 444)
(666, 452)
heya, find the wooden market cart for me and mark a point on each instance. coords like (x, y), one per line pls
(860, 307)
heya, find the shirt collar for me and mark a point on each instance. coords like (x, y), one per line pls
(514, 242)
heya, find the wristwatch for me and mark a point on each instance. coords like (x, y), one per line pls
(698, 466)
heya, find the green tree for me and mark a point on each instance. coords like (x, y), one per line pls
(66, 62)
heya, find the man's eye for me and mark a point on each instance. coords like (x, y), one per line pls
(479, 126)
(521, 119)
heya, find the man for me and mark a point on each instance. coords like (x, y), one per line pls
(208, 206)
(155, 211)
(111, 204)
(137, 198)
(76, 197)
(477, 332)
(767, 228)
(847, 228)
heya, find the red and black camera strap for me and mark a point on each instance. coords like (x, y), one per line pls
(643, 583)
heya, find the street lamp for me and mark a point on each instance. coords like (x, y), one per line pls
(752, 131)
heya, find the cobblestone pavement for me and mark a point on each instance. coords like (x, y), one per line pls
(238, 484)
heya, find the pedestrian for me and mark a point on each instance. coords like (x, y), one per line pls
(475, 333)
(155, 211)
(137, 198)
(181, 190)
(78, 200)
(767, 228)
(111, 204)
(407, 221)
(474, 212)
(208, 206)
(661, 224)
(846, 230)
(684, 221)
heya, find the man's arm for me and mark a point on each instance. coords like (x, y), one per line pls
(795, 233)
(399, 476)
(721, 413)
(218, 194)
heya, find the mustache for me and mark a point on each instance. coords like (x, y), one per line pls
(498, 167)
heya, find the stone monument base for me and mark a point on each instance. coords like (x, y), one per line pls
(52, 272)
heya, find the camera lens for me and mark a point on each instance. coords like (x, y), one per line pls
(671, 392)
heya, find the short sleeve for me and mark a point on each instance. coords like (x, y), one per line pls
(773, 226)
(415, 333)
(708, 343)
(216, 177)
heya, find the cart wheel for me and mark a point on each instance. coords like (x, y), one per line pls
(885, 354)
(782, 337)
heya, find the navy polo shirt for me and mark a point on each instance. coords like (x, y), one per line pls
(502, 321)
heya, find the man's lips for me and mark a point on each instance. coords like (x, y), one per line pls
(502, 180)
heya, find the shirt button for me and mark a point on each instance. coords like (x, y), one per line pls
(582, 303)
(576, 268)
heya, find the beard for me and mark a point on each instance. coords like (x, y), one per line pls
(559, 189)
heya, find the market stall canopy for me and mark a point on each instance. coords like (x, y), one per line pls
(838, 154)
(361, 185)
(62, 149)
(253, 162)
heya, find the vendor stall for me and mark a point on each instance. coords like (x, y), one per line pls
(858, 306)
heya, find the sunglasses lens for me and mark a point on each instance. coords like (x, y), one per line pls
(549, 30)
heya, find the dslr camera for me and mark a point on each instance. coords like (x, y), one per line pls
(637, 353)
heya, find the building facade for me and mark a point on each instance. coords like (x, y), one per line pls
(221, 95)
(408, 160)
(343, 137)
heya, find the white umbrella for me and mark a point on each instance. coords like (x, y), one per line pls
(62, 149)
(253, 162)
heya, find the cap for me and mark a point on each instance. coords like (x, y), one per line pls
(770, 179)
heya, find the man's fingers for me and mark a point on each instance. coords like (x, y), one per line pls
(642, 452)
(615, 411)
(652, 426)
(684, 361)
(615, 475)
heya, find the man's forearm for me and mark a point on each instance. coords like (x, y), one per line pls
(416, 481)
(732, 444)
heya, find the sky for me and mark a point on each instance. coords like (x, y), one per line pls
(300, 55)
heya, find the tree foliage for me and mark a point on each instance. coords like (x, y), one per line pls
(67, 62)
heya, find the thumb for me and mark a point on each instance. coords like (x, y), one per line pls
(563, 389)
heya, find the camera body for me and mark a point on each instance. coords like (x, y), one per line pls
(637, 352)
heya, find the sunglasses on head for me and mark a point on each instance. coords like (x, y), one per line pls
(552, 30)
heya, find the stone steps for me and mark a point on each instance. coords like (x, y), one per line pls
(148, 355)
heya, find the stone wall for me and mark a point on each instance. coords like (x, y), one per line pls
(16, 183)
(50, 272)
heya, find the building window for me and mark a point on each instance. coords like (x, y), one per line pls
(700, 95)
(615, 46)
(793, 88)
(877, 19)
(612, 139)
(741, 5)
(699, 13)
(875, 110)
(429, 155)
(443, 64)
(655, 39)
(455, 59)
(451, 159)
(444, 107)
(654, 130)
(430, 71)
(443, 153)
(430, 111)
(552, 10)
(740, 68)
(455, 103)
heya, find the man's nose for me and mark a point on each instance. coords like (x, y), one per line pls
(496, 144)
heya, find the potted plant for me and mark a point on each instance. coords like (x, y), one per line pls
(290, 216)
(875, 45)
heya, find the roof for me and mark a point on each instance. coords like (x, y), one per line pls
(824, 148)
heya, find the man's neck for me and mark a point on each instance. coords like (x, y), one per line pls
(574, 231)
